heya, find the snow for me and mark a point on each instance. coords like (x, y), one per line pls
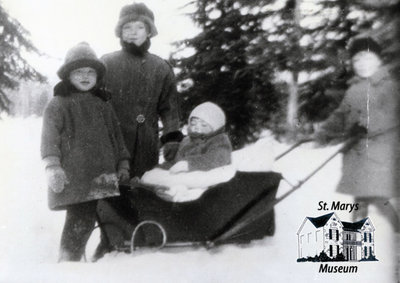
(30, 232)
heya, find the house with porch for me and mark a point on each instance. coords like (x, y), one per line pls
(329, 234)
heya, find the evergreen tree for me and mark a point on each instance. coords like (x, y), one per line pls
(245, 45)
(309, 39)
(221, 70)
(13, 67)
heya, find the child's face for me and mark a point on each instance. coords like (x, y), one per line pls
(135, 32)
(199, 126)
(365, 63)
(84, 78)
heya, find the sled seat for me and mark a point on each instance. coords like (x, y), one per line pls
(198, 221)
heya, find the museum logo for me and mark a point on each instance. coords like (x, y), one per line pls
(328, 239)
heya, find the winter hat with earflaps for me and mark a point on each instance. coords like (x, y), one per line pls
(136, 12)
(211, 113)
(79, 56)
(364, 44)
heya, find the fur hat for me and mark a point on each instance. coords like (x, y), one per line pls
(211, 113)
(136, 12)
(79, 56)
(364, 44)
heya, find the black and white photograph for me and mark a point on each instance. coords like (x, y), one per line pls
(199, 141)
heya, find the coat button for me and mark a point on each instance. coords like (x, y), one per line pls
(140, 118)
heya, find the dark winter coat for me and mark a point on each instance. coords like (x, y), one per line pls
(203, 154)
(83, 131)
(143, 90)
(370, 168)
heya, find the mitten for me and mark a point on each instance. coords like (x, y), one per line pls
(163, 193)
(171, 142)
(106, 179)
(123, 171)
(181, 166)
(357, 131)
(354, 135)
(169, 151)
(56, 178)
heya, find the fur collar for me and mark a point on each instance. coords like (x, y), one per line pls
(134, 49)
(66, 88)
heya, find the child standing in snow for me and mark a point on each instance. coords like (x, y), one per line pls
(206, 147)
(144, 92)
(369, 113)
(82, 148)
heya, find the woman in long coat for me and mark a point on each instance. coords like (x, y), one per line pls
(370, 107)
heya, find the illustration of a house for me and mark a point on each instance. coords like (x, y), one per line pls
(329, 234)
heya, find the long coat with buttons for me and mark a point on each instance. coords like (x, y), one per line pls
(144, 91)
(82, 130)
(371, 167)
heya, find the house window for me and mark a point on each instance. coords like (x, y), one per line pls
(365, 237)
(337, 235)
(365, 252)
(370, 251)
(337, 250)
(330, 234)
(370, 237)
(330, 250)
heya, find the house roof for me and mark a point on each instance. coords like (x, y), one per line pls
(321, 220)
(354, 226)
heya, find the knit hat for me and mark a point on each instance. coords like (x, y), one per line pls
(79, 56)
(136, 12)
(364, 44)
(211, 113)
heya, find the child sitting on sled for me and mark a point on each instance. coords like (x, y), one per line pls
(203, 157)
(82, 148)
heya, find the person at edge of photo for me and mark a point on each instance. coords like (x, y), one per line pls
(368, 117)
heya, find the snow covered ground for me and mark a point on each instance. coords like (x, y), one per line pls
(29, 232)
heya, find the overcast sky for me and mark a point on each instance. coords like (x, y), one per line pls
(57, 25)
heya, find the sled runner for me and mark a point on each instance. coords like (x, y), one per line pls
(140, 218)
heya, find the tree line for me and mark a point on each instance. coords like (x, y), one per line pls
(280, 64)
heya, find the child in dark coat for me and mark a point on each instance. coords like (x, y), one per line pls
(202, 157)
(144, 90)
(82, 148)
